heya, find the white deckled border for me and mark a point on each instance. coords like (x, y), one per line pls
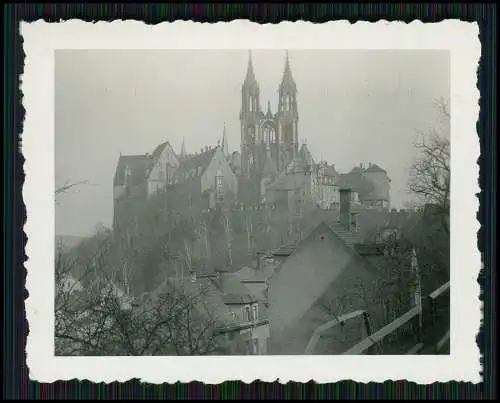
(42, 39)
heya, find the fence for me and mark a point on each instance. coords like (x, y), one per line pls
(420, 330)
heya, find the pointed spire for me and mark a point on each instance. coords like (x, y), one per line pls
(183, 149)
(224, 142)
(250, 77)
(287, 81)
(269, 114)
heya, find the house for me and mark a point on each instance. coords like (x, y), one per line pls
(204, 180)
(248, 330)
(164, 165)
(138, 178)
(201, 181)
(235, 318)
(326, 185)
(372, 185)
(322, 278)
(130, 187)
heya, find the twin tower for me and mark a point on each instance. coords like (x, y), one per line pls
(268, 141)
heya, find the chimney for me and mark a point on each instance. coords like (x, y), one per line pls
(259, 260)
(345, 207)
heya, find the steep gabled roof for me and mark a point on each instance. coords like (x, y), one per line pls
(159, 149)
(232, 290)
(269, 168)
(195, 164)
(299, 164)
(327, 170)
(138, 166)
(306, 155)
(208, 298)
(349, 238)
(374, 168)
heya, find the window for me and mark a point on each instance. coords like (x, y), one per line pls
(286, 102)
(255, 346)
(247, 314)
(248, 347)
(267, 136)
(254, 312)
(251, 135)
(251, 160)
(219, 184)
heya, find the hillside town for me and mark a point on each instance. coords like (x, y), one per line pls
(264, 249)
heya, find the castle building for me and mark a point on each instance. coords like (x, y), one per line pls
(269, 141)
(269, 169)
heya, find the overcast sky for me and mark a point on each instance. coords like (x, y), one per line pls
(354, 106)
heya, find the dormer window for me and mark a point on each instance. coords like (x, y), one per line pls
(247, 314)
(255, 312)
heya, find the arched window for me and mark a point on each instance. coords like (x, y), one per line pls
(127, 174)
(267, 135)
(219, 183)
(251, 135)
(251, 161)
(254, 312)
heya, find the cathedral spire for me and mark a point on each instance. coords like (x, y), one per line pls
(269, 113)
(183, 149)
(250, 77)
(224, 141)
(287, 82)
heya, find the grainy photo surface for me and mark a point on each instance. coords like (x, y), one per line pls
(240, 201)
(252, 202)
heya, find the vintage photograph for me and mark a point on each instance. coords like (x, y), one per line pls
(252, 202)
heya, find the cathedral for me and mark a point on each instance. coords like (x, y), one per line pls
(270, 168)
(267, 137)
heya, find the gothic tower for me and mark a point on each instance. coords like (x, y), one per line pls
(250, 118)
(287, 117)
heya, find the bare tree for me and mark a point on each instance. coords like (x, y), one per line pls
(430, 173)
(95, 316)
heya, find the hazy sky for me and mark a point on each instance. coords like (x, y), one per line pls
(354, 106)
